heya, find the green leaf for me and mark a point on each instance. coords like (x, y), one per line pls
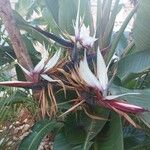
(60, 143)
(4, 58)
(94, 127)
(50, 22)
(38, 132)
(67, 14)
(79, 130)
(34, 33)
(86, 14)
(7, 104)
(25, 6)
(133, 64)
(119, 34)
(98, 19)
(66, 19)
(136, 139)
(123, 43)
(111, 138)
(16, 97)
(145, 117)
(141, 30)
(53, 7)
(24, 25)
(110, 24)
(141, 99)
(106, 14)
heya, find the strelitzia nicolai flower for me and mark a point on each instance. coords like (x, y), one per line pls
(82, 33)
(100, 83)
(39, 71)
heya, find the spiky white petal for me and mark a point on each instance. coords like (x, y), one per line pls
(53, 61)
(88, 41)
(42, 50)
(83, 35)
(110, 97)
(48, 78)
(84, 32)
(102, 70)
(39, 66)
(86, 74)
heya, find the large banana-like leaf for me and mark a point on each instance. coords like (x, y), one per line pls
(136, 139)
(51, 24)
(119, 34)
(106, 16)
(62, 144)
(110, 24)
(38, 132)
(94, 128)
(111, 138)
(141, 30)
(23, 7)
(79, 131)
(53, 7)
(24, 25)
(134, 63)
(68, 14)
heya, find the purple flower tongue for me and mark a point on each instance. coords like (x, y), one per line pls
(124, 107)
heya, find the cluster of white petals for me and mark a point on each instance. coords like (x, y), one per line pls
(82, 33)
(99, 81)
(45, 63)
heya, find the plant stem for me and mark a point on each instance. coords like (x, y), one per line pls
(19, 47)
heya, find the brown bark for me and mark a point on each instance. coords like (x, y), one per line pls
(19, 47)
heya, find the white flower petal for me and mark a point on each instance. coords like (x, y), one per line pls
(85, 37)
(53, 61)
(47, 78)
(86, 74)
(84, 32)
(39, 66)
(41, 49)
(88, 41)
(102, 70)
(110, 97)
